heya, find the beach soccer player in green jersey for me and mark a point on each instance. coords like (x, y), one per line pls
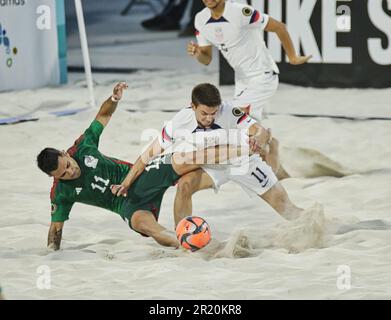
(83, 174)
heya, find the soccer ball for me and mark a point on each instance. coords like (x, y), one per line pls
(193, 233)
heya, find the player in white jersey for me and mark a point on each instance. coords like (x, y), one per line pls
(207, 115)
(237, 31)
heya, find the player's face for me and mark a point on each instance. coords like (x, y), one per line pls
(212, 4)
(67, 169)
(205, 115)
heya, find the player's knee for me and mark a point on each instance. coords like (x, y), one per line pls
(141, 223)
(185, 186)
(273, 152)
(274, 143)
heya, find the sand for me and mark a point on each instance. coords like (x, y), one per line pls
(341, 174)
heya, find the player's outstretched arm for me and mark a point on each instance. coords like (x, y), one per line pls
(55, 234)
(202, 54)
(185, 162)
(280, 29)
(108, 107)
(151, 152)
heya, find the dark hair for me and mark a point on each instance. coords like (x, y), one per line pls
(206, 94)
(47, 160)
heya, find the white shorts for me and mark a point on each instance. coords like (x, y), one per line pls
(256, 93)
(255, 176)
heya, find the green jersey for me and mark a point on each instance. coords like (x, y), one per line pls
(99, 172)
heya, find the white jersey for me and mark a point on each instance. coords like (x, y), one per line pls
(238, 34)
(253, 174)
(184, 124)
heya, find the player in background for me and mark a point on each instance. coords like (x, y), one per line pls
(208, 114)
(237, 31)
(83, 174)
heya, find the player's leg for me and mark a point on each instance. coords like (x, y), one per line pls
(253, 94)
(193, 179)
(278, 199)
(260, 180)
(253, 99)
(144, 222)
(186, 163)
(272, 158)
(142, 215)
(187, 185)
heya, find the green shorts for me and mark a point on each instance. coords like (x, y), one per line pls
(147, 191)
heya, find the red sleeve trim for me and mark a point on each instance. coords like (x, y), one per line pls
(72, 150)
(121, 162)
(242, 118)
(255, 17)
(53, 189)
(165, 135)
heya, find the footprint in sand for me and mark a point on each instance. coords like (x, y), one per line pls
(237, 246)
(165, 253)
(376, 224)
(309, 163)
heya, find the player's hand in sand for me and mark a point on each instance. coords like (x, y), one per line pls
(118, 91)
(193, 49)
(299, 59)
